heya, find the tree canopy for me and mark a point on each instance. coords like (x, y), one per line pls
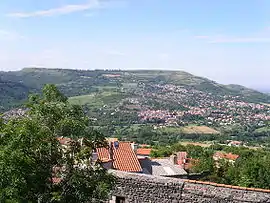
(34, 167)
(251, 169)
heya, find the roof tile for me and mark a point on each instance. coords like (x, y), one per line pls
(144, 151)
(124, 158)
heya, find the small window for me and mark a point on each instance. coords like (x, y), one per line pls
(120, 200)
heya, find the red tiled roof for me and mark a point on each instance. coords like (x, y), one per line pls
(229, 156)
(236, 142)
(56, 180)
(144, 151)
(124, 158)
(64, 140)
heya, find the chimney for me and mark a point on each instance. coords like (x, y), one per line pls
(134, 146)
(111, 150)
(173, 159)
(94, 156)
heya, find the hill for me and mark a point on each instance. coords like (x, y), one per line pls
(127, 103)
(17, 84)
(12, 94)
(249, 93)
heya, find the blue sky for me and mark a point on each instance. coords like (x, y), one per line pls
(225, 40)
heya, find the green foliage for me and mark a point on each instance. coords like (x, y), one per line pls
(15, 86)
(52, 94)
(99, 99)
(30, 153)
(12, 94)
(106, 100)
(26, 160)
(264, 131)
(252, 169)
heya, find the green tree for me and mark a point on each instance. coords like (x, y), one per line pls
(30, 154)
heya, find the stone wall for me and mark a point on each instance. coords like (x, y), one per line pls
(140, 188)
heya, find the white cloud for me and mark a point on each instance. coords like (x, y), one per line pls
(228, 39)
(4, 33)
(66, 9)
(241, 40)
(9, 35)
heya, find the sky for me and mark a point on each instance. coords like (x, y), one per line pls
(225, 40)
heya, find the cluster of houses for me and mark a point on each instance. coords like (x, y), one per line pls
(225, 156)
(164, 116)
(131, 157)
(215, 109)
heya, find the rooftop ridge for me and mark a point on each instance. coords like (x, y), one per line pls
(151, 178)
(226, 186)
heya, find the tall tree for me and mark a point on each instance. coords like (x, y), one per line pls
(34, 167)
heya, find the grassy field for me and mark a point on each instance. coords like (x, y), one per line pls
(82, 100)
(192, 129)
(130, 85)
(196, 144)
(199, 130)
(171, 130)
(98, 100)
(263, 130)
(106, 88)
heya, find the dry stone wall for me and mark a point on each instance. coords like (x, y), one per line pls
(140, 188)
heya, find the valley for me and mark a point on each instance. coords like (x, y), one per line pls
(151, 106)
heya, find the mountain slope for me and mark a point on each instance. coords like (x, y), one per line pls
(12, 94)
(249, 93)
(14, 86)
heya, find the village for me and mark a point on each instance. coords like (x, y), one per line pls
(139, 173)
(136, 158)
(198, 107)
